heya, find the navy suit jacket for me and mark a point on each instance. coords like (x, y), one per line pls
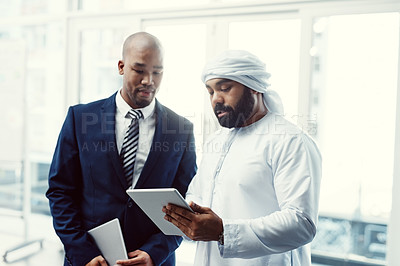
(87, 186)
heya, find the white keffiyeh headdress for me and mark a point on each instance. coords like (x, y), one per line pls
(245, 68)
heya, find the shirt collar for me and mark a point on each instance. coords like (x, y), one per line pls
(123, 107)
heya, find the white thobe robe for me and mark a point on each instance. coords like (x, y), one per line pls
(263, 180)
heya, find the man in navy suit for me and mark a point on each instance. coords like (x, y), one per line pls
(87, 185)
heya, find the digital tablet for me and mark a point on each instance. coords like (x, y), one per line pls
(109, 239)
(151, 201)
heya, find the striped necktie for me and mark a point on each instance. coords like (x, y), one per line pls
(129, 146)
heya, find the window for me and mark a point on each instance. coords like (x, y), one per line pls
(99, 77)
(354, 92)
(277, 43)
(181, 88)
(32, 104)
(99, 5)
(31, 7)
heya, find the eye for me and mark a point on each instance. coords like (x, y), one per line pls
(138, 71)
(226, 89)
(157, 72)
(211, 92)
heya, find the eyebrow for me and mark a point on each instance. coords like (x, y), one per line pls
(222, 81)
(144, 65)
(219, 83)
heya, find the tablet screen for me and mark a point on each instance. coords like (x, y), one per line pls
(151, 201)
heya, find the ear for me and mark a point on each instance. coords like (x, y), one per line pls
(121, 67)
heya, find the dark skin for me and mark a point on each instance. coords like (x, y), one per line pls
(204, 224)
(142, 70)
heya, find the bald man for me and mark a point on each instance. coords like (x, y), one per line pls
(95, 162)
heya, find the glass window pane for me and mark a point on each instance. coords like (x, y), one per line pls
(33, 106)
(99, 5)
(12, 91)
(45, 70)
(31, 7)
(100, 51)
(181, 88)
(354, 86)
(277, 43)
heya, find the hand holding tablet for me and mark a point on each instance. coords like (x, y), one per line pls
(110, 241)
(151, 201)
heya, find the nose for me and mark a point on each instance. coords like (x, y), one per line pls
(216, 98)
(148, 80)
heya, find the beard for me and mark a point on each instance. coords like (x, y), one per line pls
(140, 102)
(238, 115)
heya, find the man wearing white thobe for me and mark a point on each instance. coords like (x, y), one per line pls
(257, 189)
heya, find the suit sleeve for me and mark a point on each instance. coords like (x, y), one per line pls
(187, 167)
(160, 246)
(64, 194)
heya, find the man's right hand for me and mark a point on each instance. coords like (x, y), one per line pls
(202, 225)
(99, 260)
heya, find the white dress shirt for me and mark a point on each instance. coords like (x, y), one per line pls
(146, 131)
(263, 181)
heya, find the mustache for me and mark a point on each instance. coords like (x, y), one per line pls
(219, 108)
(146, 88)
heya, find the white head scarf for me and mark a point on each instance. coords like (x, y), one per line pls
(245, 68)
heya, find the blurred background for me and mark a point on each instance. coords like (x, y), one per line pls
(334, 63)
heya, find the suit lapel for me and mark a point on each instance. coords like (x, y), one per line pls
(158, 139)
(108, 128)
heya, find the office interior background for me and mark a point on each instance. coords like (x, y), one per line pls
(334, 63)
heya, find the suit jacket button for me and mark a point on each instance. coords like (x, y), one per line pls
(130, 204)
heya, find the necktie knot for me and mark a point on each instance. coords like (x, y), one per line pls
(134, 114)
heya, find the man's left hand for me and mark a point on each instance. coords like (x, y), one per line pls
(202, 225)
(137, 257)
